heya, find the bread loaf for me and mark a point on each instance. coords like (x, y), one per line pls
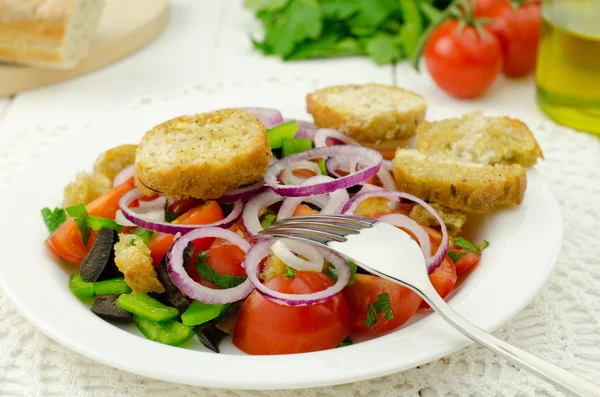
(53, 33)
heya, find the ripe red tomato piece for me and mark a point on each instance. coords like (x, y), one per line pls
(463, 62)
(466, 259)
(264, 327)
(517, 29)
(443, 279)
(365, 291)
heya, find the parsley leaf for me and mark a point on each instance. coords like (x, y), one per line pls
(345, 342)
(381, 305)
(455, 256)
(383, 49)
(332, 273)
(53, 219)
(86, 222)
(371, 318)
(142, 233)
(290, 273)
(372, 13)
(339, 9)
(97, 223)
(461, 242)
(209, 274)
(411, 31)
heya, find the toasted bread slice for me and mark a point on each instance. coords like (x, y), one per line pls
(480, 139)
(454, 219)
(370, 113)
(459, 185)
(202, 156)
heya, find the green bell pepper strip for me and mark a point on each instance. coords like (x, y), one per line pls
(200, 313)
(114, 286)
(293, 146)
(81, 288)
(146, 307)
(283, 131)
(169, 332)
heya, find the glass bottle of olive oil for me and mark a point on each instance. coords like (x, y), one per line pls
(568, 66)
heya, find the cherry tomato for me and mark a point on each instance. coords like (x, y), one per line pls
(365, 291)
(461, 61)
(66, 241)
(443, 279)
(264, 327)
(467, 260)
(517, 29)
(203, 214)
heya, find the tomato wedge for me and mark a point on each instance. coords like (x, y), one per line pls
(443, 279)
(66, 241)
(203, 214)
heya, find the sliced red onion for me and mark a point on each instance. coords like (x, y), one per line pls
(324, 134)
(177, 272)
(243, 193)
(123, 175)
(269, 117)
(367, 156)
(121, 220)
(289, 204)
(433, 261)
(286, 250)
(332, 204)
(386, 179)
(171, 228)
(252, 264)
(158, 203)
(306, 128)
(251, 213)
(288, 177)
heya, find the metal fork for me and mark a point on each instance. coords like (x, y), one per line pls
(388, 252)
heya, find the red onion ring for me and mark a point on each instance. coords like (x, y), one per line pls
(158, 203)
(323, 134)
(177, 272)
(123, 175)
(289, 204)
(287, 250)
(434, 261)
(288, 177)
(171, 228)
(242, 193)
(329, 205)
(306, 129)
(269, 117)
(369, 156)
(252, 264)
(250, 215)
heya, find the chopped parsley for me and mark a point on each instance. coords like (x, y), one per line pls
(169, 216)
(345, 342)
(381, 305)
(455, 256)
(53, 219)
(290, 273)
(461, 242)
(331, 272)
(85, 222)
(132, 242)
(209, 274)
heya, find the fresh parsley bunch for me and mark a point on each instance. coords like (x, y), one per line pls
(385, 30)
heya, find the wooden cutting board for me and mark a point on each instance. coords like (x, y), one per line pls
(125, 27)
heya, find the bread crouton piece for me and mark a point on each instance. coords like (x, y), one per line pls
(458, 185)
(454, 219)
(133, 259)
(370, 113)
(202, 156)
(479, 139)
(86, 188)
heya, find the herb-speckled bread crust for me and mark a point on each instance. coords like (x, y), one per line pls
(459, 185)
(370, 113)
(202, 156)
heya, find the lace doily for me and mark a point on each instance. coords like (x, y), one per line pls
(561, 325)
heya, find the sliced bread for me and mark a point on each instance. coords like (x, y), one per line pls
(202, 156)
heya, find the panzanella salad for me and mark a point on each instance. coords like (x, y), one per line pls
(163, 232)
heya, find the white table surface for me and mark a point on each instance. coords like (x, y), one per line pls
(206, 43)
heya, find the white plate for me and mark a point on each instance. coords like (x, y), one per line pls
(524, 240)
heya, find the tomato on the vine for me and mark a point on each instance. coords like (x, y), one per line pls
(518, 30)
(463, 60)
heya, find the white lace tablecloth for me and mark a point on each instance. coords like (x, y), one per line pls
(562, 324)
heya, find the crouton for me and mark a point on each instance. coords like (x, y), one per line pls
(133, 259)
(454, 219)
(370, 113)
(86, 188)
(479, 139)
(111, 162)
(202, 156)
(458, 185)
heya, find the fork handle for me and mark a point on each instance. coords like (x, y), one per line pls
(560, 378)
